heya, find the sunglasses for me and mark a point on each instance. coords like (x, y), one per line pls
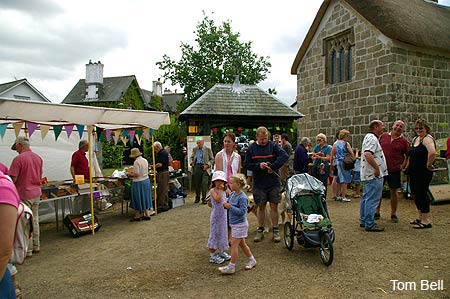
(419, 128)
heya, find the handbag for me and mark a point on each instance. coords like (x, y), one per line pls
(349, 161)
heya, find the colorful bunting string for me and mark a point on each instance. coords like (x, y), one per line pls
(108, 134)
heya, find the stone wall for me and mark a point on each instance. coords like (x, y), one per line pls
(388, 83)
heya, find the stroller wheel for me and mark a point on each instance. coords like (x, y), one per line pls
(326, 249)
(288, 235)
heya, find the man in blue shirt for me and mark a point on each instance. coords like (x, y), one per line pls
(264, 158)
(202, 160)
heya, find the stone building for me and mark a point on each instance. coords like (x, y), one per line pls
(371, 59)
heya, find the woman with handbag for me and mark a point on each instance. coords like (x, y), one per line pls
(340, 149)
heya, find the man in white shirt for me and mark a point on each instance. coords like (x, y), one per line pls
(373, 169)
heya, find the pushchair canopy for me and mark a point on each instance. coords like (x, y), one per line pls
(303, 183)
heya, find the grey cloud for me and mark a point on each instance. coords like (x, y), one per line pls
(55, 51)
(32, 7)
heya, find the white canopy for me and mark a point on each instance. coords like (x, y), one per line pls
(60, 114)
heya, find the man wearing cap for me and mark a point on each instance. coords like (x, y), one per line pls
(26, 173)
(80, 164)
(162, 177)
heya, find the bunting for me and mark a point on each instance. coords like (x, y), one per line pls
(138, 139)
(44, 131)
(3, 129)
(69, 129)
(124, 140)
(80, 129)
(31, 127)
(131, 133)
(108, 134)
(57, 130)
(17, 128)
(147, 133)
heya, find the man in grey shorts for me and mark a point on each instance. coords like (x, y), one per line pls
(264, 158)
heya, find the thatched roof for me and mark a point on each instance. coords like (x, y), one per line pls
(420, 23)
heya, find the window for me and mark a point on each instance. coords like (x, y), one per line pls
(338, 52)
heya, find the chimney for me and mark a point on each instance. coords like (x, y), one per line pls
(157, 88)
(94, 80)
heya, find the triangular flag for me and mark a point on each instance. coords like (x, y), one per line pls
(124, 140)
(31, 128)
(57, 130)
(131, 132)
(101, 138)
(108, 134)
(44, 131)
(152, 132)
(69, 129)
(80, 129)
(147, 133)
(116, 138)
(17, 128)
(139, 132)
(90, 129)
(138, 139)
(124, 133)
(3, 129)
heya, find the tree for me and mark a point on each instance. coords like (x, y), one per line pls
(217, 57)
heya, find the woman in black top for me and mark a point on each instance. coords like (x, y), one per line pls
(420, 167)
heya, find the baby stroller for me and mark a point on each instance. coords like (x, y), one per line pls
(311, 224)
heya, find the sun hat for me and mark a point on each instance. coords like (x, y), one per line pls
(135, 153)
(219, 175)
(20, 140)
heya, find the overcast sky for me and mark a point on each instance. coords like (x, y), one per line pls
(49, 42)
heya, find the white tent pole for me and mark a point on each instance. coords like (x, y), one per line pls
(155, 208)
(91, 195)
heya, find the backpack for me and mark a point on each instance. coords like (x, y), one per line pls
(24, 231)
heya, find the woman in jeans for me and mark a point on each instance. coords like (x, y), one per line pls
(420, 168)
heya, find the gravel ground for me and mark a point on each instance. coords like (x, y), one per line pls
(167, 258)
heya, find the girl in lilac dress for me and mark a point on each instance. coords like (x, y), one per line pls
(218, 235)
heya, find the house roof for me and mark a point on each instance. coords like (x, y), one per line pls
(113, 90)
(10, 85)
(420, 23)
(239, 100)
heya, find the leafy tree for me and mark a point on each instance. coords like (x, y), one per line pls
(216, 58)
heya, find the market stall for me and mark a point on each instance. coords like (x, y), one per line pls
(28, 116)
